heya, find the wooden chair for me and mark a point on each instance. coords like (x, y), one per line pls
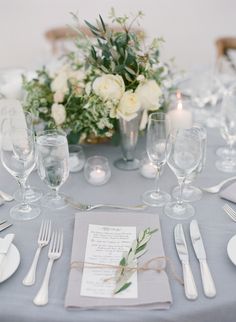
(223, 46)
(59, 36)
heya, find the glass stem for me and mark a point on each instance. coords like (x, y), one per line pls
(181, 187)
(157, 179)
(22, 183)
(56, 193)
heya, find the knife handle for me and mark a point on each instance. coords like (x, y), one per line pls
(189, 283)
(207, 280)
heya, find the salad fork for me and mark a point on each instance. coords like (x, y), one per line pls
(85, 207)
(54, 252)
(43, 240)
(230, 212)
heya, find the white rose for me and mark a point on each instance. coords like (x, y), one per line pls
(109, 87)
(149, 94)
(128, 106)
(58, 97)
(58, 113)
(59, 84)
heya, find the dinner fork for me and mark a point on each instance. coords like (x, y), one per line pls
(54, 252)
(85, 207)
(43, 240)
(230, 212)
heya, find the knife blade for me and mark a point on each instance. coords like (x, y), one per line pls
(198, 246)
(4, 247)
(182, 250)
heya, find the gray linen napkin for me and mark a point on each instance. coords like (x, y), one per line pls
(229, 193)
(153, 287)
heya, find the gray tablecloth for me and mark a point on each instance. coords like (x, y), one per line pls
(124, 188)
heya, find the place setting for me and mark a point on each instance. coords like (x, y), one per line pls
(116, 195)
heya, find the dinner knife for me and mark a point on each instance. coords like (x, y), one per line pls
(4, 247)
(182, 250)
(207, 280)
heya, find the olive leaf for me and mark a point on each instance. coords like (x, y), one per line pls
(128, 261)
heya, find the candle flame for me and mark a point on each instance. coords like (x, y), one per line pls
(179, 100)
(178, 95)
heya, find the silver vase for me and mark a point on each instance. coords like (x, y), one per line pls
(128, 140)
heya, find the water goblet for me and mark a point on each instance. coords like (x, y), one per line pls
(191, 193)
(32, 194)
(53, 166)
(228, 131)
(157, 133)
(19, 161)
(184, 154)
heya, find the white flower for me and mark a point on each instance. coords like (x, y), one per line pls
(149, 94)
(140, 78)
(109, 87)
(59, 84)
(128, 106)
(58, 97)
(58, 113)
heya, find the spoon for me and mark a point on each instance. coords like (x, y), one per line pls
(217, 187)
(5, 196)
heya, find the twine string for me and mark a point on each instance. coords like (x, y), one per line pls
(140, 268)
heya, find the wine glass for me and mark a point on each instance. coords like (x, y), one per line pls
(32, 194)
(191, 193)
(184, 154)
(157, 133)
(228, 131)
(19, 160)
(53, 165)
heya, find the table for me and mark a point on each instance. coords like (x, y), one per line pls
(124, 188)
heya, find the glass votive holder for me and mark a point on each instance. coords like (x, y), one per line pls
(76, 158)
(148, 169)
(97, 170)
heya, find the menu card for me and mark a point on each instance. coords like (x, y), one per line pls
(153, 287)
(105, 246)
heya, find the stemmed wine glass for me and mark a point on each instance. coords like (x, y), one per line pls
(157, 133)
(191, 193)
(228, 131)
(184, 154)
(19, 161)
(32, 194)
(53, 165)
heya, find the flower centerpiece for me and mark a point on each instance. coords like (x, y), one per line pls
(114, 77)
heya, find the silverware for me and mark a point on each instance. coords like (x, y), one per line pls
(230, 212)
(43, 240)
(207, 280)
(5, 196)
(216, 188)
(5, 226)
(55, 251)
(84, 207)
(4, 247)
(1, 201)
(182, 250)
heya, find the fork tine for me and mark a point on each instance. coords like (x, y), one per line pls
(230, 212)
(61, 242)
(52, 242)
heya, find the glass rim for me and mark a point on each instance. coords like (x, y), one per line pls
(44, 132)
(94, 157)
(165, 117)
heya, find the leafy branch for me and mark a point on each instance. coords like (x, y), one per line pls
(128, 261)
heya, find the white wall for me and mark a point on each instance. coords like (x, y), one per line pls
(188, 26)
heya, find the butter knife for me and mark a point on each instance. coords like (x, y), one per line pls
(182, 250)
(4, 247)
(207, 280)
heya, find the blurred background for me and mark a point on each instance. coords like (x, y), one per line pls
(189, 27)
